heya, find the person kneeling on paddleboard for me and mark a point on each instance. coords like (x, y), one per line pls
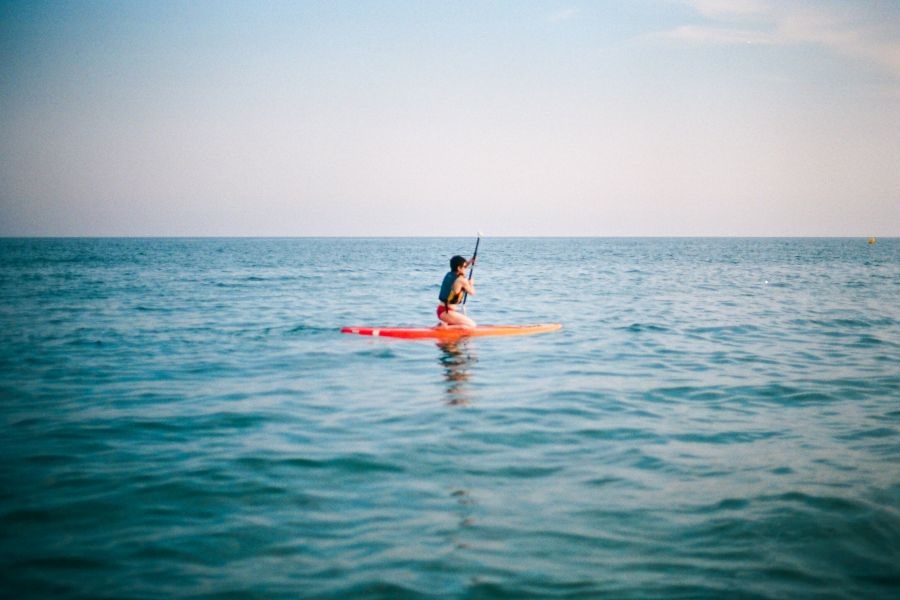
(453, 290)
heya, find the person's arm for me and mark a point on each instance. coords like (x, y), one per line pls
(468, 285)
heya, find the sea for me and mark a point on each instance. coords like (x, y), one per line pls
(182, 418)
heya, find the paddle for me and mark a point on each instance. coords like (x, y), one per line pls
(472, 268)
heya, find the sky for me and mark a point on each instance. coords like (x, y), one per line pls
(430, 118)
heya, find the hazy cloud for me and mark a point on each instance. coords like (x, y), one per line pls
(694, 34)
(566, 14)
(715, 8)
(860, 34)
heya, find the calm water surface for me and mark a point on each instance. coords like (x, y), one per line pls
(182, 418)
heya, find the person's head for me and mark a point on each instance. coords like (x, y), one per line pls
(457, 262)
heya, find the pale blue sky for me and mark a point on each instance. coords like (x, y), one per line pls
(616, 117)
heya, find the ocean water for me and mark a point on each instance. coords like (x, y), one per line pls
(182, 418)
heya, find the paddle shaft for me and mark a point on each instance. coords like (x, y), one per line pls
(472, 268)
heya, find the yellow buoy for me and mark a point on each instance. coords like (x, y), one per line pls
(871, 240)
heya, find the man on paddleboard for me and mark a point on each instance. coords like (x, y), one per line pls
(453, 290)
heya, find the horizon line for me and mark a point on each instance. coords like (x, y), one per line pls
(366, 236)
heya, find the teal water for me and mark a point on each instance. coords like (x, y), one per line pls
(182, 418)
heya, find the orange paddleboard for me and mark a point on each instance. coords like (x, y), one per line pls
(451, 333)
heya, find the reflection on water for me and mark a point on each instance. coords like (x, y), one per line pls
(457, 358)
(464, 502)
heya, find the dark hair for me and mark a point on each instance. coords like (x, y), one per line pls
(456, 262)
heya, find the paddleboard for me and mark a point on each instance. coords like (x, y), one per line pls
(450, 333)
